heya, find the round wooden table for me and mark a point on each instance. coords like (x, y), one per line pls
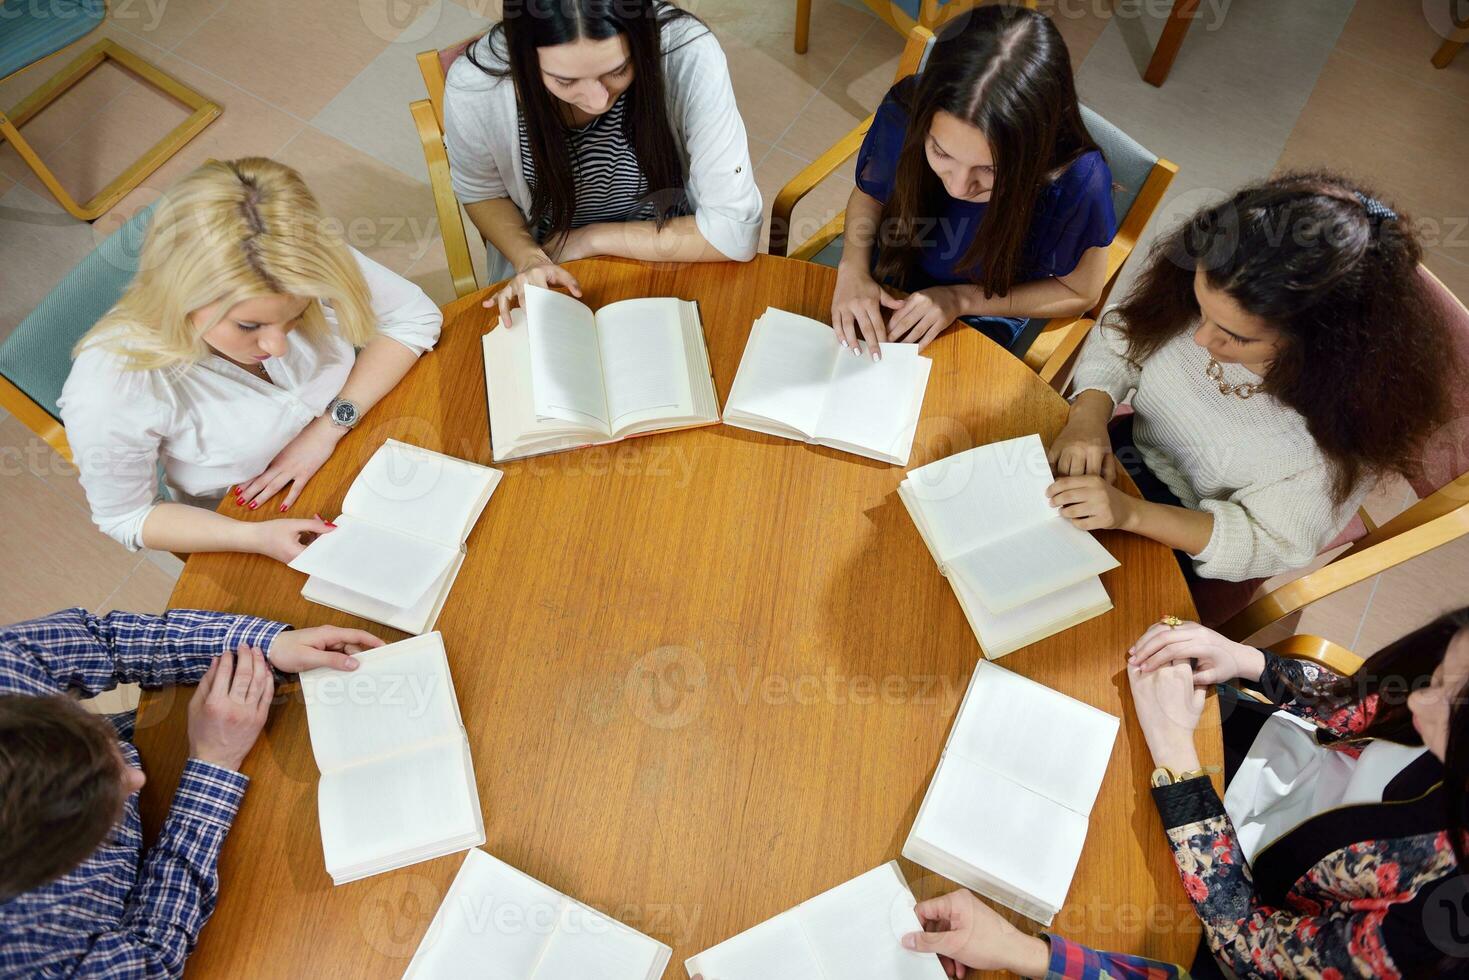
(705, 674)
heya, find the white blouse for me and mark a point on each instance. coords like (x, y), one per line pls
(1286, 778)
(213, 424)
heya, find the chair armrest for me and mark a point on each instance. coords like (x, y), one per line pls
(1074, 335)
(1333, 656)
(812, 174)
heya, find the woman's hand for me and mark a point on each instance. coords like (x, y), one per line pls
(293, 651)
(968, 934)
(857, 304)
(1093, 504)
(1168, 709)
(1083, 448)
(281, 538)
(541, 271)
(293, 465)
(1215, 658)
(924, 315)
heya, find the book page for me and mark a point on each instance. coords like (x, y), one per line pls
(417, 618)
(776, 949)
(493, 924)
(1001, 828)
(643, 361)
(1002, 633)
(1029, 733)
(1034, 561)
(875, 404)
(361, 556)
(785, 371)
(397, 806)
(400, 696)
(420, 492)
(978, 496)
(587, 943)
(857, 929)
(565, 360)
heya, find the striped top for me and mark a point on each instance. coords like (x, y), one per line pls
(610, 183)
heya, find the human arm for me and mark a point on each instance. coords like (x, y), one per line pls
(858, 300)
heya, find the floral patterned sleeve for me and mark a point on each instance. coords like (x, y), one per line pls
(1321, 930)
(1295, 686)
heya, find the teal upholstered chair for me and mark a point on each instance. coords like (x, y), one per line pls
(36, 358)
(1140, 178)
(30, 32)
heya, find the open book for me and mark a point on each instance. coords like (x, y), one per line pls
(1006, 813)
(797, 381)
(400, 539)
(497, 923)
(852, 932)
(397, 786)
(1020, 570)
(560, 376)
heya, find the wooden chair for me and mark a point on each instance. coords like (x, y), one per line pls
(1439, 517)
(428, 118)
(1445, 54)
(1141, 178)
(901, 15)
(1334, 657)
(34, 32)
(1180, 19)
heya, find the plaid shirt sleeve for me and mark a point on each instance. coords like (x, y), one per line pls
(178, 884)
(73, 650)
(1073, 961)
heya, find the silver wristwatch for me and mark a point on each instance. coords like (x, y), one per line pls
(343, 413)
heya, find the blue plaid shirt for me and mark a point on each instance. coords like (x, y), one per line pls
(123, 913)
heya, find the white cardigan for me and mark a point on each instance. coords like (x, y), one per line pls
(481, 130)
(213, 425)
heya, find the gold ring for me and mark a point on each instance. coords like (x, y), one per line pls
(1172, 622)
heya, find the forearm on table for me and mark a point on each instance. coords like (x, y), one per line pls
(859, 233)
(379, 367)
(1180, 528)
(187, 529)
(678, 240)
(1092, 408)
(1042, 299)
(500, 223)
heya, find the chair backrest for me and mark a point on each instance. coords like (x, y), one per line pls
(434, 67)
(36, 357)
(1130, 162)
(34, 31)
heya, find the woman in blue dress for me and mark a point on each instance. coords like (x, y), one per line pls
(979, 193)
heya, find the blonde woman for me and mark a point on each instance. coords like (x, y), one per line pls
(249, 343)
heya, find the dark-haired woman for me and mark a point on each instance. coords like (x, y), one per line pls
(1338, 848)
(1283, 354)
(979, 192)
(598, 127)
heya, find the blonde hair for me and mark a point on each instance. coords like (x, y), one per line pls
(231, 231)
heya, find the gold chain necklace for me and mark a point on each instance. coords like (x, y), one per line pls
(1246, 390)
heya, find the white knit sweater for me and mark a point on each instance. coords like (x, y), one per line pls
(1249, 462)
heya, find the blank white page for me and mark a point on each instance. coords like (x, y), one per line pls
(399, 696)
(871, 403)
(785, 370)
(587, 943)
(493, 924)
(420, 492)
(1035, 560)
(409, 802)
(366, 557)
(643, 361)
(857, 929)
(776, 949)
(565, 364)
(978, 496)
(1002, 828)
(1036, 736)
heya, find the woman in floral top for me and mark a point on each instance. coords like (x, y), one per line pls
(1337, 848)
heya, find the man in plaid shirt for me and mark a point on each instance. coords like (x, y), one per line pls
(78, 896)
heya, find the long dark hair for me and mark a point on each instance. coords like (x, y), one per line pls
(1004, 70)
(526, 25)
(1403, 666)
(1366, 357)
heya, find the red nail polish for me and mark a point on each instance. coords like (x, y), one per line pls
(329, 524)
(283, 508)
(253, 505)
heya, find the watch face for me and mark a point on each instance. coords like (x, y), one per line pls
(345, 413)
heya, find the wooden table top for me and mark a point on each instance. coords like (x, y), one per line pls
(705, 675)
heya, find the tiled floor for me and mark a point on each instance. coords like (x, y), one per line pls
(324, 85)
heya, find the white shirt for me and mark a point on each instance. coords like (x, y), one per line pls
(482, 136)
(1287, 778)
(213, 425)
